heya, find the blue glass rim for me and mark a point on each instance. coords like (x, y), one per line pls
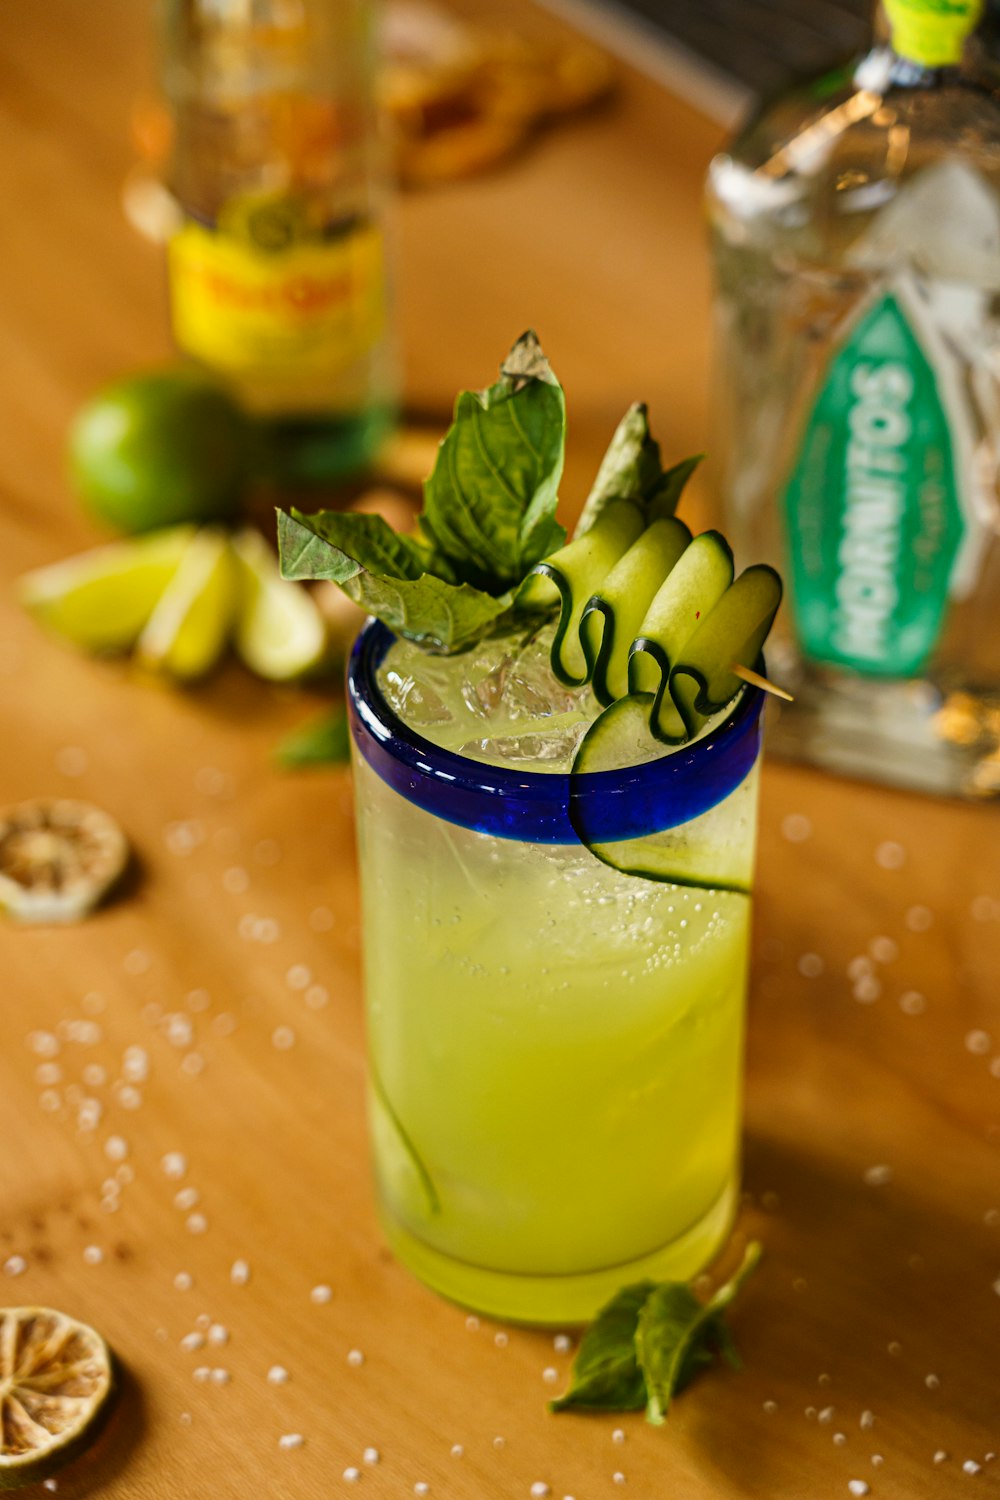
(534, 806)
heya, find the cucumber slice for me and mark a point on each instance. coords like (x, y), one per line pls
(710, 852)
(689, 593)
(615, 612)
(570, 576)
(702, 681)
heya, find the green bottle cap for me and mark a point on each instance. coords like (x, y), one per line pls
(931, 32)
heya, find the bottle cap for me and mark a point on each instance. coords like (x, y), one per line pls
(931, 32)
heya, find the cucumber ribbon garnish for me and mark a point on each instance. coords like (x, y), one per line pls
(646, 608)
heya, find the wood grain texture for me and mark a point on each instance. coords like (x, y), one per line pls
(875, 1028)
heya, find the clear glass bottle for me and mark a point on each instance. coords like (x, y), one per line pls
(856, 241)
(278, 277)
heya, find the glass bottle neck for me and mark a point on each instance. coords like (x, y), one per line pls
(884, 67)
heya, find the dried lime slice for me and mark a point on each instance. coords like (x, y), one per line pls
(57, 859)
(188, 630)
(280, 632)
(101, 599)
(56, 1389)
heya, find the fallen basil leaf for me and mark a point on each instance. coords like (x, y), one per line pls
(324, 742)
(606, 1374)
(675, 1331)
(649, 1342)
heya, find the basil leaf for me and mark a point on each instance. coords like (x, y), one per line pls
(340, 544)
(632, 469)
(324, 742)
(388, 575)
(490, 501)
(677, 1335)
(606, 1374)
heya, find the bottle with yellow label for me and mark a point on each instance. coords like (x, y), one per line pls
(856, 234)
(278, 278)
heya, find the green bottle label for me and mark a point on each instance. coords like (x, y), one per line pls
(931, 32)
(873, 509)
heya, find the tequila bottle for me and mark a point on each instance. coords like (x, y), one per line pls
(856, 239)
(277, 275)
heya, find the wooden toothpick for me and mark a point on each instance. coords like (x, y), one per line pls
(756, 680)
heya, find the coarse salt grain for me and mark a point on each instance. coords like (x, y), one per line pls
(352, 1475)
(550, 1375)
(867, 1420)
(827, 1414)
(239, 1273)
(174, 1164)
(291, 1440)
(283, 1038)
(183, 1281)
(186, 1199)
(770, 1407)
(221, 1377)
(278, 1375)
(371, 1456)
(298, 977)
(472, 1323)
(501, 1340)
(796, 828)
(192, 1342)
(218, 1335)
(457, 1450)
(858, 1487)
(884, 950)
(618, 1436)
(878, 1175)
(932, 1382)
(971, 1467)
(15, 1265)
(316, 996)
(618, 1477)
(839, 1439)
(890, 856)
(562, 1343)
(116, 1148)
(540, 1488)
(421, 1487)
(321, 1294)
(93, 1255)
(355, 1358)
(978, 1043)
(196, 1223)
(941, 1457)
(201, 1374)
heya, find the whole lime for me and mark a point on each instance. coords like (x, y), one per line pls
(158, 449)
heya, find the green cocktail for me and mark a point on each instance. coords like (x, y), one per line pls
(555, 756)
(556, 1046)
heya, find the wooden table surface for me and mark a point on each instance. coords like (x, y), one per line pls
(871, 1333)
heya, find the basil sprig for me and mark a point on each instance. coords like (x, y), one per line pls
(649, 1342)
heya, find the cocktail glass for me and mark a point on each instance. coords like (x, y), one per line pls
(555, 1046)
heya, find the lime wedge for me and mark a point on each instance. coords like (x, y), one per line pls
(190, 626)
(56, 1389)
(280, 633)
(102, 599)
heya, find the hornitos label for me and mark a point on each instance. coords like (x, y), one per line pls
(265, 290)
(931, 32)
(875, 510)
